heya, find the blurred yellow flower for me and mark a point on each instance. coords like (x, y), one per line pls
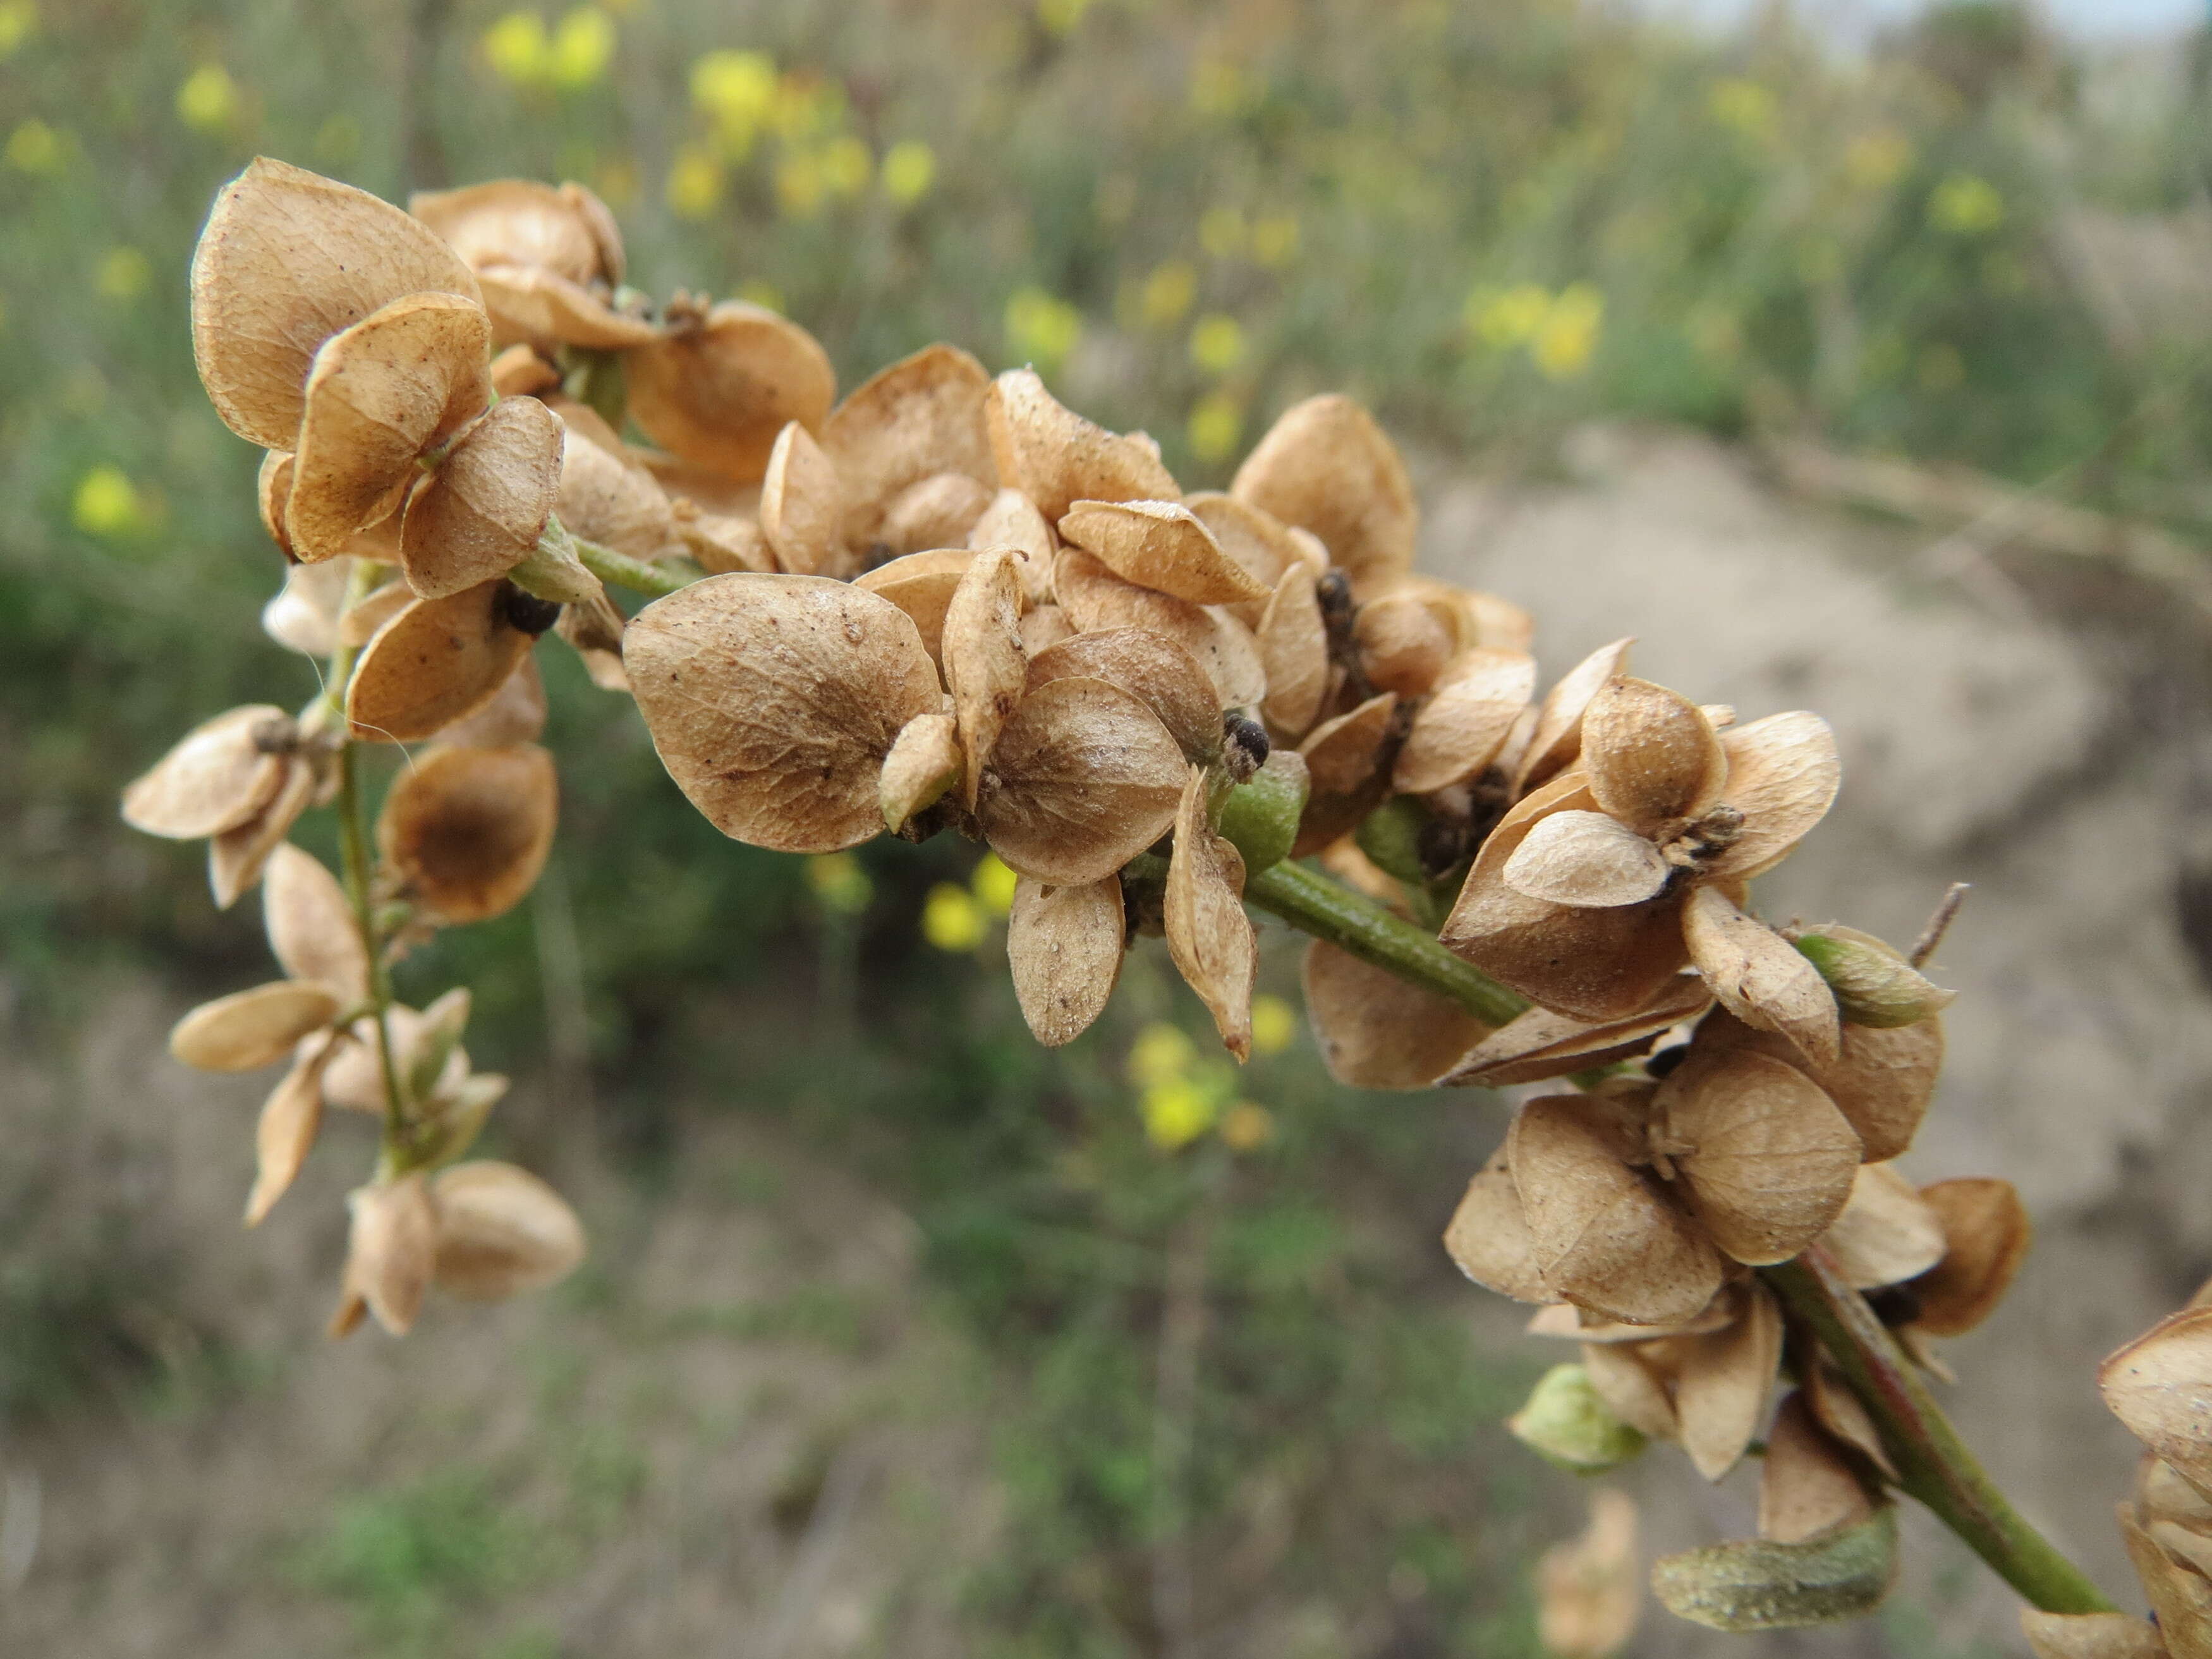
(761, 292)
(1222, 88)
(1217, 343)
(950, 918)
(736, 90)
(1568, 337)
(846, 166)
(1168, 293)
(207, 102)
(106, 503)
(582, 47)
(35, 147)
(1744, 106)
(1965, 205)
(799, 186)
(1216, 423)
(993, 884)
(1040, 329)
(1275, 240)
(803, 105)
(338, 140)
(124, 274)
(1501, 318)
(19, 19)
(1274, 1025)
(839, 882)
(518, 48)
(695, 183)
(1247, 1127)
(910, 169)
(1874, 161)
(1221, 231)
(1060, 16)
(1161, 1054)
(1176, 1113)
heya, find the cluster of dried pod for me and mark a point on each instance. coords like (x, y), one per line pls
(947, 602)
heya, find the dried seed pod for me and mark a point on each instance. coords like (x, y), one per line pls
(1260, 814)
(595, 631)
(1153, 669)
(469, 829)
(286, 260)
(398, 383)
(1585, 860)
(1754, 1584)
(1540, 1044)
(1056, 457)
(921, 585)
(1044, 626)
(1293, 643)
(1259, 543)
(605, 499)
(2180, 1594)
(1806, 1487)
(391, 1255)
(236, 857)
(1566, 1322)
(1881, 1081)
(1653, 758)
(1632, 1387)
(1011, 519)
(1096, 598)
(773, 701)
(518, 222)
(716, 390)
(1604, 1237)
(985, 668)
(363, 617)
(1343, 754)
(548, 310)
(1064, 946)
(304, 615)
(1462, 726)
(721, 544)
(355, 1080)
(481, 511)
(1209, 936)
(1782, 775)
(1557, 738)
(1760, 976)
(1589, 1592)
(2090, 1635)
(290, 1121)
(1873, 984)
(219, 776)
(941, 510)
(1886, 1232)
(516, 713)
(1567, 1422)
(1326, 465)
(310, 926)
(919, 418)
(501, 1231)
(1986, 1233)
(1722, 1382)
(803, 507)
(1489, 1238)
(1162, 545)
(1770, 1161)
(436, 662)
(249, 1030)
(923, 765)
(2161, 1386)
(1376, 1031)
(1402, 646)
(1842, 1414)
(1085, 778)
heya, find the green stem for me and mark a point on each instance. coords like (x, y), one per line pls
(623, 571)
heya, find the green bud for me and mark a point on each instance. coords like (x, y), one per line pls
(1261, 818)
(1567, 1423)
(1873, 984)
(1391, 836)
(1754, 1584)
(552, 570)
(435, 1039)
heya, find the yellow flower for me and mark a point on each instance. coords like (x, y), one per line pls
(993, 884)
(1060, 16)
(840, 883)
(35, 147)
(1176, 1113)
(1040, 329)
(1501, 318)
(1217, 343)
(1221, 231)
(846, 166)
(799, 186)
(1562, 347)
(1247, 1127)
(803, 106)
(518, 50)
(1966, 205)
(1215, 425)
(582, 47)
(19, 18)
(1274, 1025)
(207, 99)
(1744, 108)
(1222, 88)
(1874, 160)
(950, 918)
(1167, 293)
(124, 274)
(1161, 1054)
(695, 183)
(910, 169)
(762, 293)
(736, 90)
(1275, 240)
(107, 504)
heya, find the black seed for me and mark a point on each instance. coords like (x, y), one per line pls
(526, 611)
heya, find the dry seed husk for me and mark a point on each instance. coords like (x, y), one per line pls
(1293, 643)
(720, 543)
(249, 1030)
(605, 498)
(2161, 1386)
(1326, 465)
(1632, 1389)
(2180, 1596)
(355, 1078)
(501, 1231)
(1011, 519)
(1343, 754)
(1722, 1382)
(1782, 775)
(1589, 1591)
(802, 508)
(1376, 1031)
(1151, 668)
(2162, 1495)
(2090, 1635)
(1162, 545)
(1540, 1044)
(920, 417)
(1987, 1233)
(399, 382)
(520, 371)
(1096, 598)
(220, 774)
(566, 230)
(1886, 1233)
(1260, 543)
(1210, 938)
(1773, 1160)
(1064, 946)
(516, 713)
(923, 765)
(1760, 976)
(1604, 1237)
(921, 585)
(303, 616)
(985, 667)
(469, 829)
(1044, 626)
(237, 857)
(378, 542)
(1056, 457)
(436, 662)
(363, 618)
(1753, 1584)
(1489, 1238)
(1557, 737)
(1842, 1414)
(1586, 860)
(716, 392)
(548, 310)
(1566, 1322)
(392, 1251)
(709, 492)
(1403, 646)
(288, 259)
(595, 629)
(773, 700)
(941, 510)
(1595, 964)
(1806, 1484)
(285, 1132)
(1465, 723)
(1083, 779)
(310, 923)
(1881, 1081)
(1651, 756)
(481, 511)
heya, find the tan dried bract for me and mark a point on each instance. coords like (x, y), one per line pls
(1464, 724)
(2161, 1386)
(1293, 643)
(237, 857)
(1540, 1044)
(716, 390)
(249, 1030)
(1375, 1030)
(919, 418)
(565, 230)
(921, 585)
(802, 508)
(1327, 466)
(1151, 668)
(1095, 598)
(1881, 1080)
(1489, 1237)
(985, 666)
(1403, 643)
(501, 1231)
(1557, 738)
(1590, 1593)
(1344, 754)
(1587, 859)
(941, 510)
(516, 713)
(1722, 1382)
(1986, 1233)
(311, 929)
(1653, 757)
(1260, 542)
(468, 829)
(2090, 1635)
(1782, 775)
(924, 764)
(1760, 976)
(391, 1255)
(1012, 520)
(606, 498)
(1085, 778)
(1806, 1484)
(220, 774)
(1064, 946)
(481, 511)
(290, 1119)
(1209, 936)
(1886, 1233)
(436, 662)
(1768, 1159)
(1162, 545)
(1056, 457)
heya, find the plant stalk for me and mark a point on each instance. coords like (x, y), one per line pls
(623, 571)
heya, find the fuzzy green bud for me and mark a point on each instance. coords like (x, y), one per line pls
(1756, 1585)
(1391, 836)
(1873, 984)
(1566, 1422)
(1261, 817)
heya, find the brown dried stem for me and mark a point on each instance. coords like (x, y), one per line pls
(1939, 923)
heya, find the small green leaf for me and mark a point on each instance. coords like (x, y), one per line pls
(1754, 1584)
(1567, 1422)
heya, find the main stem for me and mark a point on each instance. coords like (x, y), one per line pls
(1933, 1464)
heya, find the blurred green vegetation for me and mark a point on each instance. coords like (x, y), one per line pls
(1492, 222)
